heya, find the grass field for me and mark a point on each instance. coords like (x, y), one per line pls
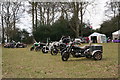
(22, 63)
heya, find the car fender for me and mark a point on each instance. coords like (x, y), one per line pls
(96, 51)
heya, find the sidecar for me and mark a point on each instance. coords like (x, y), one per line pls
(96, 51)
(89, 51)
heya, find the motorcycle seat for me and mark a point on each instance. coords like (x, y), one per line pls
(80, 47)
(84, 47)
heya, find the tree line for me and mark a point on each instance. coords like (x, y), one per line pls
(53, 19)
(113, 23)
(61, 18)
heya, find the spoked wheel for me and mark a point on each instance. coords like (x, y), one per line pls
(65, 56)
(37, 49)
(32, 48)
(54, 51)
(62, 51)
(97, 56)
(44, 50)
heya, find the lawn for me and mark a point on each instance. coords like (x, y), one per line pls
(22, 63)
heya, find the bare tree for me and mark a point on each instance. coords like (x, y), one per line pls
(36, 14)
(15, 10)
(32, 15)
(2, 23)
(112, 8)
(10, 11)
(76, 22)
(73, 12)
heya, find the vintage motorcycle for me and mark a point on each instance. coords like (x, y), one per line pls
(37, 46)
(56, 49)
(60, 47)
(89, 51)
(47, 48)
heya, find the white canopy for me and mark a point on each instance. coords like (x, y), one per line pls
(116, 35)
(95, 34)
(117, 32)
(100, 38)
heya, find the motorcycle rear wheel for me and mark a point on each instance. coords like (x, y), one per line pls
(37, 49)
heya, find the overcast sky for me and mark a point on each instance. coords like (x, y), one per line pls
(95, 15)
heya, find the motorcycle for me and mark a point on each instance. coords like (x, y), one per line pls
(20, 45)
(54, 48)
(89, 51)
(34, 46)
(58, 49)
(61, 45)
(47, 48)
(39, 47)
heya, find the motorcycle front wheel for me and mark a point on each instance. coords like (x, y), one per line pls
(44, 51)
(65, 56)
(54, 51)
(32, 48)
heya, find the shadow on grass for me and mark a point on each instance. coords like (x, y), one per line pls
(85, 59)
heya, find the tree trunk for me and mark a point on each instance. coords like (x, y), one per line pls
(40, 15)
(76, 18)
(48, 12)
(32, 16)
(2, 26)
(8, 22)
(81, 16)
(36, 14)
(118, 15)
(62, 14)
(53, 14)
(14, 20)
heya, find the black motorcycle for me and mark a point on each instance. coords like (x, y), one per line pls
(90, 51)
(56, 49)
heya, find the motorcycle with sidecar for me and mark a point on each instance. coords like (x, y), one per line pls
(89, 51)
